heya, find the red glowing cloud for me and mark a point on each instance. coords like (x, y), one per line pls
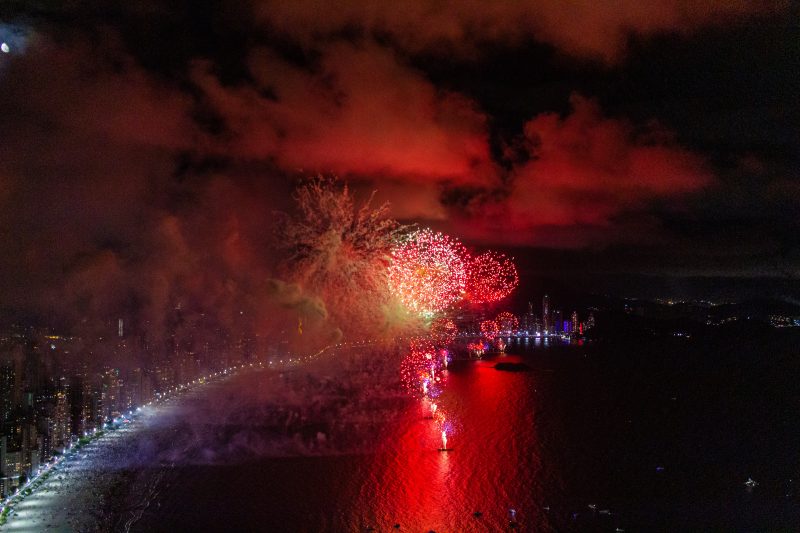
(363, 113)
(584, 29)
(586, 170)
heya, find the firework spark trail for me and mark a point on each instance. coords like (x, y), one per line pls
(421, 369)
(506, 322)
(423, 376)
(337, 254)
(359, 262)
(491, 276)
(428, 272)
(489, 329)
(444, 331)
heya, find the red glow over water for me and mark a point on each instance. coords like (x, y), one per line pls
(491, 468)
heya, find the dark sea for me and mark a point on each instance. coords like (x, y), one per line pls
(634, 434)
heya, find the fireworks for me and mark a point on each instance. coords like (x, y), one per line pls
(431, 271)
(489, 329)
(491, 277)
(507, 322)
(444, 330)
(337, 253)
(428, 272)
(476, 348)
(355, 263)
(419, 370)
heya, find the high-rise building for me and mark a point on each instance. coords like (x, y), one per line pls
(529, 320)
(30, 448)
(111, 385)
(7, 376)
(46, 448)
(10, 464)
(546, 315)
(575, 328)
(557, 321)
(61, 420)
(89, 400)
(5, 482)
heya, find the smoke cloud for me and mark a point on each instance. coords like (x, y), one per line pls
(139, 178)
(585, 174)
(584, 29)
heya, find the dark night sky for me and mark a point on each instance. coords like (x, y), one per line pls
(145, 145)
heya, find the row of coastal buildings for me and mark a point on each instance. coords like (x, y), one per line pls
(550, 321)
(55, 389)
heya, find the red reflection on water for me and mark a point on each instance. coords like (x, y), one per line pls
(491, 467)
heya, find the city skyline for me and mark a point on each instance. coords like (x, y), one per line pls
(430, 265)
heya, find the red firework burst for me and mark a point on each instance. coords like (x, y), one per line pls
(491, 276)
(420, 370)
(428, 272)
(507, 322)
(443, 330)
(489, 329)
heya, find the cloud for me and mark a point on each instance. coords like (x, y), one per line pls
(99, 220)
(361, 112)
(86, 137)
(583, 29)
(291, 296)
(133, 188)
(409, 201)
(583, 178)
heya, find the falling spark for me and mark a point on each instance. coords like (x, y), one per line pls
(443, 330)
(428, 272)
(337, 251)
(506, 322)
(491, 276)
(489, 329)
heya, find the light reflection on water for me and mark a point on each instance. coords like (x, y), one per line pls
(491, 468)
(623, 430)
(405, 480)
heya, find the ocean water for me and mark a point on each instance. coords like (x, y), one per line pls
(641, 436)
(638, 435)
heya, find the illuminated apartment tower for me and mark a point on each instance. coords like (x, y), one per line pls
(546, 314)
(575, 325)
(529, 320)
(7, 378)
(556, 322)
(61, 420)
